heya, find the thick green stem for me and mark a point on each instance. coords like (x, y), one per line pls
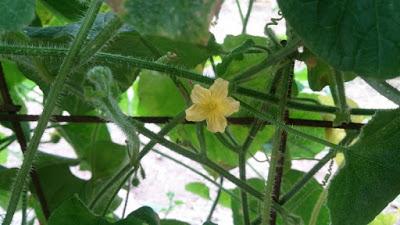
(50, 104)
(384, 89)
(343, 114)
(6, 49)
(275, 154)
(105, 35)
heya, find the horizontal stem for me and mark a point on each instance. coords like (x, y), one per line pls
(165, 119)
(6, 49)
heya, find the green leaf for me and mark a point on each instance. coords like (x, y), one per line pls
(157, 95)
(176, 19)
(74, 211)
(359, 36)
(172, 222)
(369, 180)
(209, 223)
(59, 184)
(216, 151)
(255, 205)
(6, 179)
(320, 73)
(106, 158)
(199, 189)
(302, 204)
(71, 10)
(385, 219)
(16, 14)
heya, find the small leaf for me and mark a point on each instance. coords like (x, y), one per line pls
(359, 36)
(16, 14)
(199, 189)
(368, 182)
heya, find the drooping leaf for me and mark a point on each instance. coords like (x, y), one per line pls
(369, 179)
(16, 14)
(359, 36)
(176, 19)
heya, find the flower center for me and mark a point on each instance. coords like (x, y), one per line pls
(212, 106)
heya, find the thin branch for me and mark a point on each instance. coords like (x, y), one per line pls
(385, 89)
(214, 205)
(246, 19)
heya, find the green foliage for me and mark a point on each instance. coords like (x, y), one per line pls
(358, 36)
(70, 10)
(177, 19)
(371, 164)
(199, 188)
(148, 59)
(16, 14)
(74, 211)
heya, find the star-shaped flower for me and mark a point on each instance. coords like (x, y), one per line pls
(212, 105)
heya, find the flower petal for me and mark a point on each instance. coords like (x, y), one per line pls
(199, 94)
(220, 88)
(196, 113)
(229, 106)
(216, 123)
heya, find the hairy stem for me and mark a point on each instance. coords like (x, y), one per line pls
(6, 49)
(308, 176)
(105, 35)
(49, 107)
(275, 154)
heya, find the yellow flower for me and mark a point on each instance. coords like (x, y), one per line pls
(212, 105)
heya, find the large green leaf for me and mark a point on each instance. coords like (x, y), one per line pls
(357, 35)
(369, 179)
(16, 14)
(128, 42)
(74, 211)
(176, 19)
